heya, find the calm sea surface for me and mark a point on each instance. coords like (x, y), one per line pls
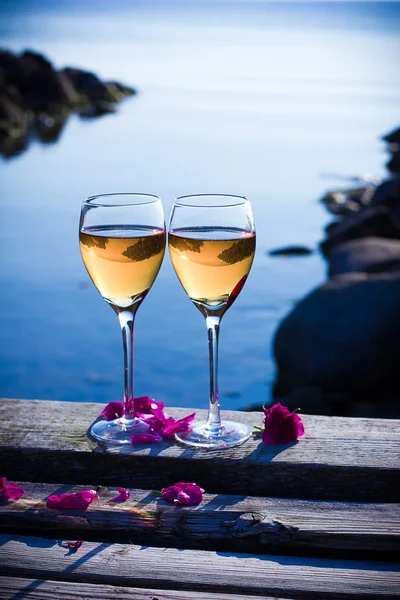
(251, 98)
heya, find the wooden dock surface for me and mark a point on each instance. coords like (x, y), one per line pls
(314, 519)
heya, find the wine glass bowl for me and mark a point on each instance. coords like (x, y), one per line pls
(211, 242)
(122, 243)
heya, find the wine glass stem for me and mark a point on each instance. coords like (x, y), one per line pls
(214, 416)
(126, 319)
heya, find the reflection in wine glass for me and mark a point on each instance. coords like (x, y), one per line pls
(122, 242)
(211, 241)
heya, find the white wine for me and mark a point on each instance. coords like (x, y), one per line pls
(212, 264)
(122, 262)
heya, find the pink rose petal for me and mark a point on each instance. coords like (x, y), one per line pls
(170, 493)
(74, 545)
(145, 405)
(79, 500)
(152, 413)
(113, 410)
(188, 494)
(10, 491)
(145, 438)
(281, 425)
(168, 432)
(123, 495)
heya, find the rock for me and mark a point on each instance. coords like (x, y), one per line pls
(119, 91)
(36, 99)
(291, 251)
(375, 221)
(394, 163)
(93, 91)
(87, 85)
(366, 255)
(97, 109)
(387, 194)
(393, 137)
(343, 337)
(344, 202)
(13, 118)
(313, 401)
(49, 128)
(40, 86)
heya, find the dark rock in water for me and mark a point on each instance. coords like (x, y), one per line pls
(394, 163)
(374, 221)
(330, 228)
(39, 85)
(393, 137)
(343, 337)
(92, 90)
(387, 194)
(344, 202)
(48, 129)
(291, 251)
(36, 99)
(13, 118)
(97, 109)
(366, 255)
(314, 401)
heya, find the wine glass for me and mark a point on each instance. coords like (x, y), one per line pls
(122, 242)
(211, 242)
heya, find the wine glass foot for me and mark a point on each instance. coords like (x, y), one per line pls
(230, 434)
(118, 431)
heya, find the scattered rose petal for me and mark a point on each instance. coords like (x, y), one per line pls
(281, 426)
(152, 413)
(145, 438)
(113, 410)
(74, 545)
(188, 494)
(10, 491)
(79, 500)
(145, 405)
(170, 493)
(122, 496)
(168, 432)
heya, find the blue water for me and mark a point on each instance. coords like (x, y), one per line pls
(251, 98)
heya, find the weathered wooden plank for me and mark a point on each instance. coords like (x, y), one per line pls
(17, 588)
(222, 572)
(221, 522)
(337, 459)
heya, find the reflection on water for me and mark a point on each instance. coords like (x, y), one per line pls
(45, 129)
(244, 98)
(93, 241)
(145, 248)
(239, 250)
(185, 244)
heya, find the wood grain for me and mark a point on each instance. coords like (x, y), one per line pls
(190, 570)
(220, 522)
(16, 588)
(337, 459)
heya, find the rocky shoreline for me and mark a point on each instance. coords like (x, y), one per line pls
(36, 99)
(338, 350)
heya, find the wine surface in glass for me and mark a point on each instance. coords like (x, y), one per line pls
(122, 262)
(212, 264)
